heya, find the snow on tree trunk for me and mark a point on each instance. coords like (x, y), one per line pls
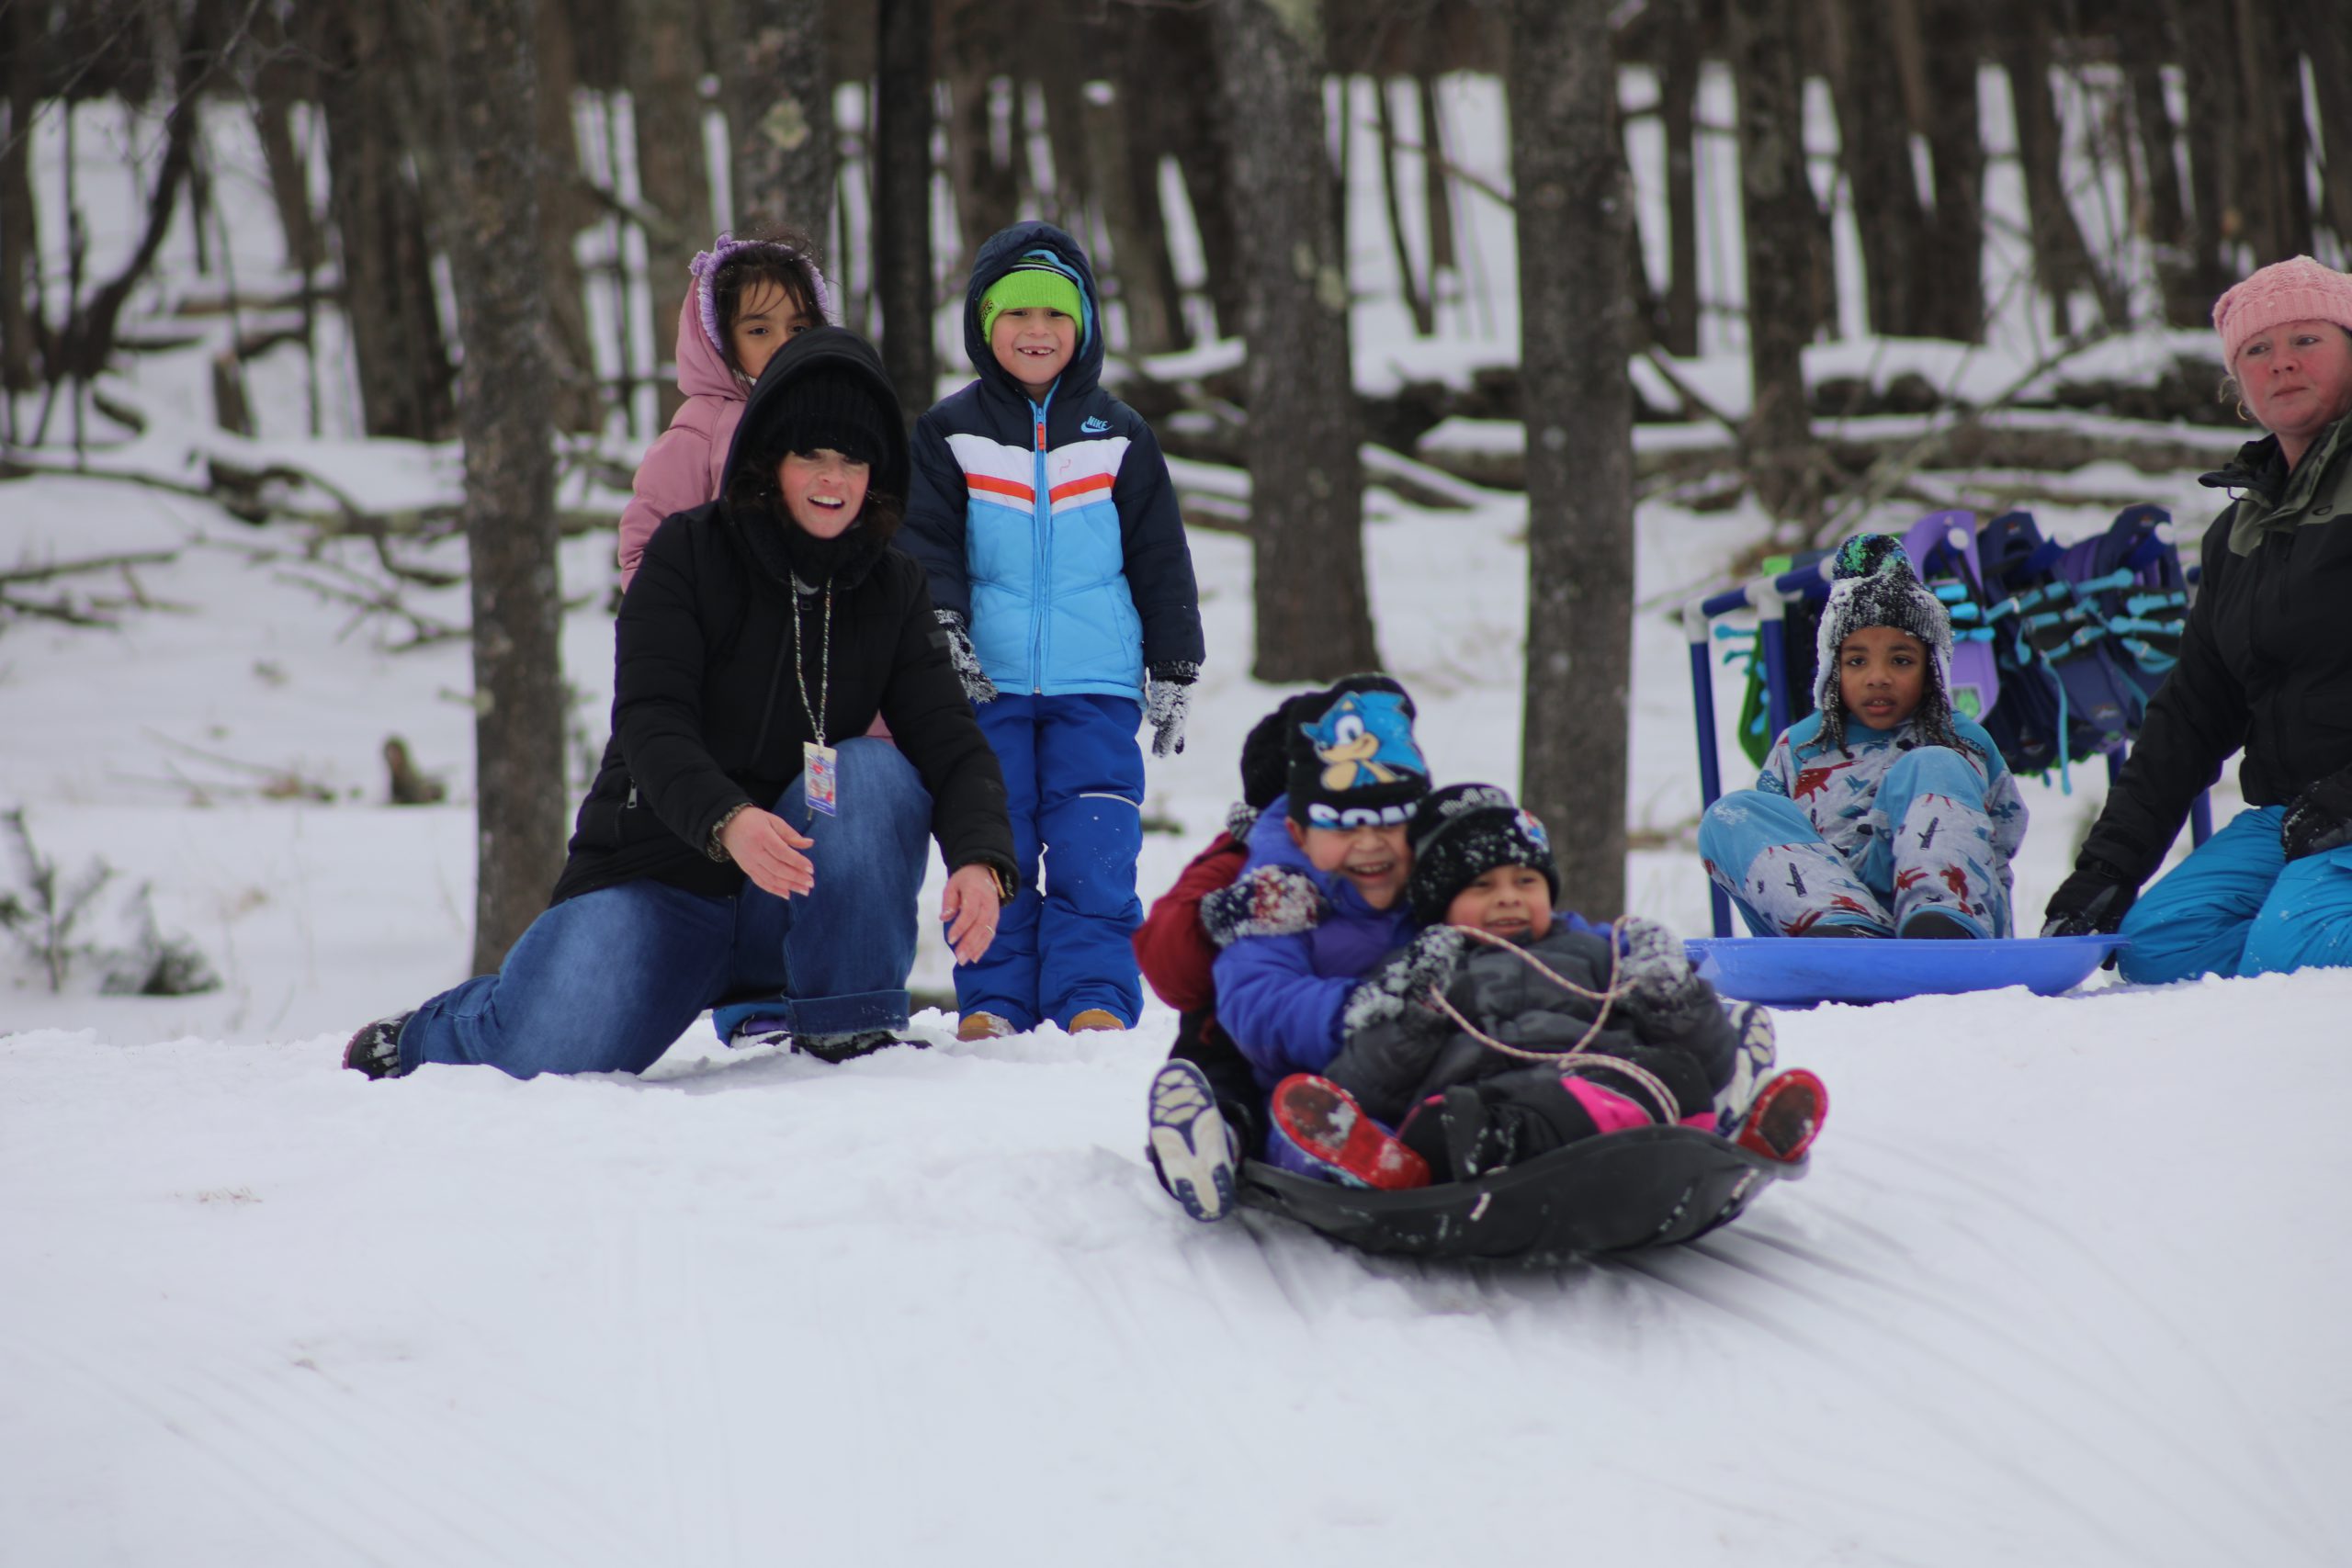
(1576, 309)
(780, 103)
(1305, 479)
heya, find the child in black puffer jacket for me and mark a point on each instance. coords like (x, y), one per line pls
(1537, 1034)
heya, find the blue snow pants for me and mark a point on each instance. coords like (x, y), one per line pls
(1937, 854)
(604, 982)
(2237, 906)
(1073, 785)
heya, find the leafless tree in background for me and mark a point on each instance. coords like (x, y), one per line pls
(1576, 319)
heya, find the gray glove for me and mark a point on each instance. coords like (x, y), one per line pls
(1655, 968)
(1405, 978)
(978, 687)
(1167, 698)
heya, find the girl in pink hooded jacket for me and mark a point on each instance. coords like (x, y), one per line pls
(749, 298)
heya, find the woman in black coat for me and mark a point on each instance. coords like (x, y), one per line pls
(2266, 664)
(731, 854)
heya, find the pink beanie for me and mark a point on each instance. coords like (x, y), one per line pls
(2297, 290)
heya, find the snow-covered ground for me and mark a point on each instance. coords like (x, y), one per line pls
(2062, 1287)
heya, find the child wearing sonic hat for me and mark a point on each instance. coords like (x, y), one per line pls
(1883, 813)
(1043, 512)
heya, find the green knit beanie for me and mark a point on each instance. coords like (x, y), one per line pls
(1031, 284)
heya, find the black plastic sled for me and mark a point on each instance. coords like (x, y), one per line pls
(1643, 1187)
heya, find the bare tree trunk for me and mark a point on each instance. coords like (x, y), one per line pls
(2328, 41)
(2276, 153)
(2144, 43)
(780, 106)
(1875, 145)
(902, 275)
(985, 178)
(564, 210)
(1951, 50)
(2209, 61)
(19, 231)
(493, 148)
(1679, 61)
(2062, 262)
(1148, 273)
(671, 169)
(1059, 68)
(1202, 138)
(1418, 301)
(1576, 310)
(1306, 482)
(395, 322)
(1777, 215)
(275, 91)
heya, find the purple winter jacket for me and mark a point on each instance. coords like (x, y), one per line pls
(1280, 997)
(681, 469)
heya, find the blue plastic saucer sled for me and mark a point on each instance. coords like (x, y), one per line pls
(1801, 971)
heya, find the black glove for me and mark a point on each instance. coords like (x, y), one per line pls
(978, 687)
(1266, 900)
(1167, 698)
(2320, 819)
(1405, 978)
(2091, 902)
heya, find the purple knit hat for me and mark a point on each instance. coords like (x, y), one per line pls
(726, 248)
(2297, 290)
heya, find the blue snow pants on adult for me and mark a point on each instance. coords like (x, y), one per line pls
(604, 982)
(1073, 785)
(1937, 853)
(2237, 906)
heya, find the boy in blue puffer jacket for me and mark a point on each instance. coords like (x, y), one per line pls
(1042, 511)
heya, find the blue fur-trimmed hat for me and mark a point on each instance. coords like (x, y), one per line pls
(1353, 761)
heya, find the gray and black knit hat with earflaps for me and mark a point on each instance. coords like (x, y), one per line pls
(1875, 585)
(1463, 831)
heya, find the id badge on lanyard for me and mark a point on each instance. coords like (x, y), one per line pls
(818, 774)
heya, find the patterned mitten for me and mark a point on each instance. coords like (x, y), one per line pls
(1406, 978)
(1266, 900)
(1167, 698)
(978, 687)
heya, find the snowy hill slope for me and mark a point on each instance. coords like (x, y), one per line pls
(2061, 1288)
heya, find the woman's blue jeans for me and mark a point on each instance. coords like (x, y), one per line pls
(604, 982)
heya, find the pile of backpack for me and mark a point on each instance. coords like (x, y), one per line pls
(2056, 649)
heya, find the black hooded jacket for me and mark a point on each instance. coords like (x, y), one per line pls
(2265, 661)
(708, 699)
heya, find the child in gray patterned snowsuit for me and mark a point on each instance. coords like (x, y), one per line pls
(1883, 813)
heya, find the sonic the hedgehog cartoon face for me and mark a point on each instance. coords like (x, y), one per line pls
(1363, 738)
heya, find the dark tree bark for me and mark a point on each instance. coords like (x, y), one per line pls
(1200, 139)
(1576, 310)
(2062, 262)
(1777, 214)
(2328, 41)
(378, 216)
(491, 150)
(19, 231)
(780, 106)
(1437, 181)
(1679, 57)
(2208, 61)
(672, 170)
(1875, 145)
(1418, 300)
(564, 210)
(1141, 282)
(2276, 150)
(982, 171)
(277, 88)
(1305, 478)
(1147, 270)
(2144, 46)
(901, 163)
(1951, 48)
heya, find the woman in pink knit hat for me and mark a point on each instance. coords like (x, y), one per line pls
(2266, 665)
